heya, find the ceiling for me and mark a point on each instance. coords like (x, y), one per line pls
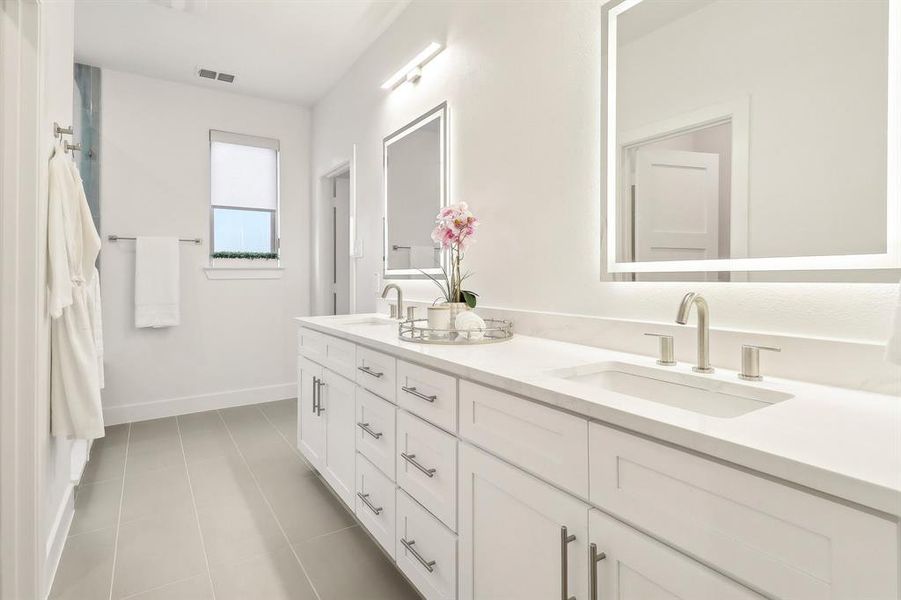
(288, 50)
(650, 15)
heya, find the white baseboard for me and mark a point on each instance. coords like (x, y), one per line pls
(56, 541)
(130, 413)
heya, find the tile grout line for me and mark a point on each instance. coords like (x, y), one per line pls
(206, 558)
(284, 437)
(312, 473)
(159, 587)
(323, 535)
(112, 579)
(266, 500)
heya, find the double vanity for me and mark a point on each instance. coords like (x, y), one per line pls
(542, 469)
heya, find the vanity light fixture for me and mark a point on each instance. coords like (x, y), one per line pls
(412, 71)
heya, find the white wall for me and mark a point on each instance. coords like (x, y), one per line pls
(235, 343)
(814, 75)
(57, 49)
(522, 82)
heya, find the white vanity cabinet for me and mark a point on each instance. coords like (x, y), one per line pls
(480, 494)
(337, 406)
(789, 543)
(519, 536)
(628, 565)
(326, 425)
(310, 422)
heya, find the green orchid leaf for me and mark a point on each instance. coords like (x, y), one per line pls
(470, 298)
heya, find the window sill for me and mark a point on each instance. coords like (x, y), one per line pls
(241, 269)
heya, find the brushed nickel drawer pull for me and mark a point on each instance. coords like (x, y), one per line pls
(365, 499)
(414, 392)
(565, 539)
(411, 458)
(365, 427)
(369, 371)
(428, 564)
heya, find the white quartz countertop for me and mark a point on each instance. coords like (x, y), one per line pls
(841, 442)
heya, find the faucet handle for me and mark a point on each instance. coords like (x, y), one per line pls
(750, 361)
(665, 349)
(394, 311)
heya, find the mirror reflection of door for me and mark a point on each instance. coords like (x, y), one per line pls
(678, 197)
(676, 205)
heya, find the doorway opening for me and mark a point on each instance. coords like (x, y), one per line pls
(337, 273)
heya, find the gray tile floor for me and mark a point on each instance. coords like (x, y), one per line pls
(216, 506)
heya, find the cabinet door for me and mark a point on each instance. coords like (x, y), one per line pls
(637, 567)
(512, 544)
(310, 424)
(337, 408)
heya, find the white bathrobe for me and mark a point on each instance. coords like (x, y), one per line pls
(73, 300)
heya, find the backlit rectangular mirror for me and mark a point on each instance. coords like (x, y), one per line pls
(415, 180)
(752, 136)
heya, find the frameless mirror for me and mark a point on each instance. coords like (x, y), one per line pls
(752, 136)
(415, 178)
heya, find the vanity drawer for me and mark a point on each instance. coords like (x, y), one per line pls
(785, 542)
(427, 466)
(550, 443)
(336, 354)
(429, 394)
(340, 356)
(311, 344)
(375, 425)
(375, 496)
(426, 552)
(376, 372)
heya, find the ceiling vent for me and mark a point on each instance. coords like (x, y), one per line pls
(210, 74)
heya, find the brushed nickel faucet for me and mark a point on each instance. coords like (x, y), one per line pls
(693, 299)
(397, 311)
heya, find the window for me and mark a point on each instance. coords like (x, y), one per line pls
(243, 196)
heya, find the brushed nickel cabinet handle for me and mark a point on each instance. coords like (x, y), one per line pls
(428, 564)
(365, 499)
(319, 385)
(565, 539)
(594, 557)
(315, 395)
(414, 392)
(411, 458)
(368, 371)
(365, 427)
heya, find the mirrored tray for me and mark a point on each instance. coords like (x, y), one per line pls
(418, 331)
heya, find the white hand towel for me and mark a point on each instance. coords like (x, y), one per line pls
(156, 282)
(893, 347)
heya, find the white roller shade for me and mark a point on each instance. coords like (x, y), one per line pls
(243, 174)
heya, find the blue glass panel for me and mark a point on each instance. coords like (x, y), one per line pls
(236, 230)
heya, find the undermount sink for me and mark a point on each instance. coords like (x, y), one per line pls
(696, 393)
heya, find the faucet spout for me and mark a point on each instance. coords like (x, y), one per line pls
(692, 299)
(400, 298)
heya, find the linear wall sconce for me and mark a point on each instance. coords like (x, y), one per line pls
(413, 69)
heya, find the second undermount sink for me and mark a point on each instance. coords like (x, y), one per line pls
(696, 393)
